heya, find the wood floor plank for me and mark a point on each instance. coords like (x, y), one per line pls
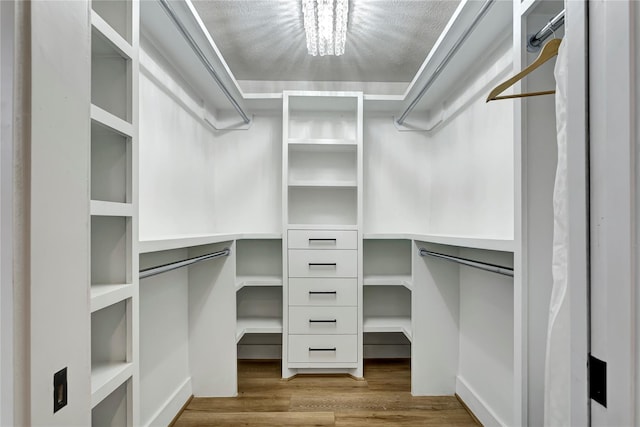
(240, 404)
(382, 398)
(446, 418)
(258, 419)
(372, 401)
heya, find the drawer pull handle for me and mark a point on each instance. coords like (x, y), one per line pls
(323, 240)
(323, 321)
(322, 349)
(323, 292)
(322, 264)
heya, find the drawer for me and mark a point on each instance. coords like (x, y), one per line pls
(321, 291)
(323, 320)
(328, 263)
(323, 348)
(323, 239)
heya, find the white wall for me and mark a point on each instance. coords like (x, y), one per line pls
(396, 177)
(457, 179)
(59, 210)
(471, 157)
(486, 333)
(164, 333)
(194, 179)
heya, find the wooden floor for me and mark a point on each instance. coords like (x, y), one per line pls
(383, 398)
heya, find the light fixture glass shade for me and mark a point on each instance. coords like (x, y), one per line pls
(325, 25)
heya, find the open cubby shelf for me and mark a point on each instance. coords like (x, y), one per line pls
(110, 77)
(258, 325)
(323, 205)
(389, 280)
(110, 164)
(115, 14)
(386, 324)
(110, 243)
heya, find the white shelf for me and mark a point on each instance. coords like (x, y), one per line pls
(257, 281)
(389, 280)
(105, 295)
(166, 243)
(326, 183)
(108, 377)
(322, 227)
(123, 47)
(257, 325)
(109, 120)
(322, 141)
(400, 324)
(102, 208)
(492, 244)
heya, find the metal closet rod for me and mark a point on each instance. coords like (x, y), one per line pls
(169, 10)
(147, 272)
(535, 41)
(483, 11)
(505, 271)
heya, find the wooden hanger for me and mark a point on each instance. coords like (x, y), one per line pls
(549, 50)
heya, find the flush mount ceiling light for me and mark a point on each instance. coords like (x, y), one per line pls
(325, 23)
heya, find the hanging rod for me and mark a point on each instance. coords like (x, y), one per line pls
(169, 10)
(147, 272)
(535, 41)
(447, 58)
(505, 271)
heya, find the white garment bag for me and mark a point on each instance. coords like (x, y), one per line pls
(557, 405)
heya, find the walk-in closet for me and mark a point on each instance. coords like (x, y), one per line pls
(331, 209)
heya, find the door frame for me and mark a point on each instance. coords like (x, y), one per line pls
(614, 194)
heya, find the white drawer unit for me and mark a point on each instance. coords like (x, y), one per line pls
(323, 320)
(326, 263)
(323, 349)
(323, 292)
(323, 239)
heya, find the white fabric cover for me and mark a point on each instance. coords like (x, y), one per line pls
(557, 406)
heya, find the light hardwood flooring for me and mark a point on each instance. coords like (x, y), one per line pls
(383, 398)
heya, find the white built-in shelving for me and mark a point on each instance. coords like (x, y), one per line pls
(258, 286)
(113, 208)
(322, 209)
(405, 280)
(388, 282)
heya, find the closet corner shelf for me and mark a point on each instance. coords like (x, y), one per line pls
(322, 227)
(491, 244)
(102, 208)
(389, 280)
(322, 141)
(166, 243)
(107, 119)
(257, 281)
(400, 324)
(105, 378)
(322, 183)
(257, 325)
(111, 35)
(259, 236)
(105, 295)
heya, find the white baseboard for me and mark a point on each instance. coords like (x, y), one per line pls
(172, 406)
(479, 407)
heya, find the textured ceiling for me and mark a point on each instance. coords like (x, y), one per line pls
(387, 40)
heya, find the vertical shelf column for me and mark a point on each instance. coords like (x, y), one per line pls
(114, 212)
(322, 243)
